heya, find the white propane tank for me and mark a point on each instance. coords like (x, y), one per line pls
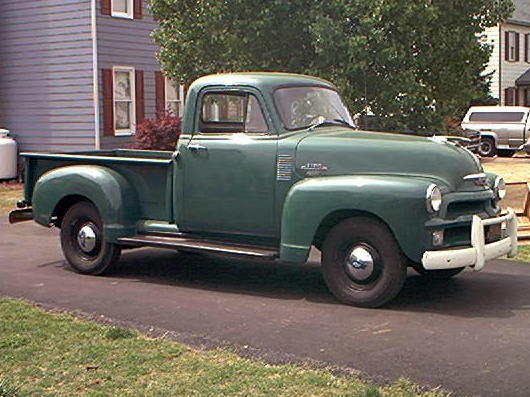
(8, 156)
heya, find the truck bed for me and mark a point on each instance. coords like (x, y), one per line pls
(150, 172)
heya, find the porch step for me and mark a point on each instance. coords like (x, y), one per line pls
(200, 245)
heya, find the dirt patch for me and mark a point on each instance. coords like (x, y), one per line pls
(516, 169)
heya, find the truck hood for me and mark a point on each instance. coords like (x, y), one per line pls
(341, 151)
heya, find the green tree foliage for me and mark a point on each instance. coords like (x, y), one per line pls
(417, 63)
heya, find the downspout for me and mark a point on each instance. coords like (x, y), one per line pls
(501, 46)
(95, 75)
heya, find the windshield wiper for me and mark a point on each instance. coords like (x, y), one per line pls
(331, 122)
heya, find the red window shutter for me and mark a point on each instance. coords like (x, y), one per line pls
(517, 47)
(160, 92)
(526, 44)
(515, 96)
(140, 101)
(105, 7)
(506, 46)
(138, 11)
(108, 102)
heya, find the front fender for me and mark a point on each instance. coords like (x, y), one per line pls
(491, 134)
(110, 192)
(397, 201)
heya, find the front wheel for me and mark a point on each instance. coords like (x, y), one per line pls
(362, 263)
(83, 243)
(487, 147)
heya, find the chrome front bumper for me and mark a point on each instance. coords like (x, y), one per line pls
(479, 252)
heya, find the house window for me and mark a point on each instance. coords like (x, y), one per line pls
(527, 97)
(122, 8)
(124, 100)
(174, 97)
(512, 47)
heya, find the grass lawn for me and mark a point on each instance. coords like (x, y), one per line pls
(524, 254)
(50, 354)
(9, 195)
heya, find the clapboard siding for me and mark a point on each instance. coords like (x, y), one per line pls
(46, 74)
(127, 42)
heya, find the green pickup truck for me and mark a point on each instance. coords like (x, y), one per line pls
(269, 165)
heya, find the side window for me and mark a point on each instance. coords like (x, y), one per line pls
(231, 113)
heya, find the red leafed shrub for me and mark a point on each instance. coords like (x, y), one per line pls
(160, 133)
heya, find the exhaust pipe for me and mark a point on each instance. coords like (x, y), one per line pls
(18, 216)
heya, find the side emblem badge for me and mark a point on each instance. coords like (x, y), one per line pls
(314, 169)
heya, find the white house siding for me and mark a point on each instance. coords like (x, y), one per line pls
(510, 71)
(491, 37)
(127, 42)
(46, 85)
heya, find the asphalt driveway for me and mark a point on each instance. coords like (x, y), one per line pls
(470, 335)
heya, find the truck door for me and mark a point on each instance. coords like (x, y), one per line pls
(229, 166)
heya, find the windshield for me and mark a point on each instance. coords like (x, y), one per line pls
(303, 107)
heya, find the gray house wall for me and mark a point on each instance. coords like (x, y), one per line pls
(126, 42)
(46, 74)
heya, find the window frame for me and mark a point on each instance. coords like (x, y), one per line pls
(132, 110)
(167, 101)
(124, 15)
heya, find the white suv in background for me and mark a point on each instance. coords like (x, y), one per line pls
(504, 129)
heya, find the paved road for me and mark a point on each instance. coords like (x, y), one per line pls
(471, 334)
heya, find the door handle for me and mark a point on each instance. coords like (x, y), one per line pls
(197, 148)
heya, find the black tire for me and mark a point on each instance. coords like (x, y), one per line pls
(381, 281)
(505, 152)
(442, 274)
(78, 249)
(487, 147)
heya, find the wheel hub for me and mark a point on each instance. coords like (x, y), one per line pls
(360, 263)
(87, 238)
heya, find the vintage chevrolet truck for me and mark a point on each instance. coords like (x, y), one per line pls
(268, 166)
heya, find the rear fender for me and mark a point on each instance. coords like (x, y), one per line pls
(110, 192)
(399, 202)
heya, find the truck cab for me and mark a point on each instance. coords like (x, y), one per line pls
(268, 166)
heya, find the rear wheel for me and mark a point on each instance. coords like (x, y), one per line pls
(362, 263)
(487, 147)
(82, 240)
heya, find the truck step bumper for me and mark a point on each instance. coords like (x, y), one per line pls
(479, 252)
(199, 245)
(21, 215)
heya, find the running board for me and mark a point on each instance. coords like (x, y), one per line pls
(200, 245)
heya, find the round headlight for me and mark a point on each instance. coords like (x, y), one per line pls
(434, 198)
(499, 188)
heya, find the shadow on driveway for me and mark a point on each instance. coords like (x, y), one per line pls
(469, 295)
